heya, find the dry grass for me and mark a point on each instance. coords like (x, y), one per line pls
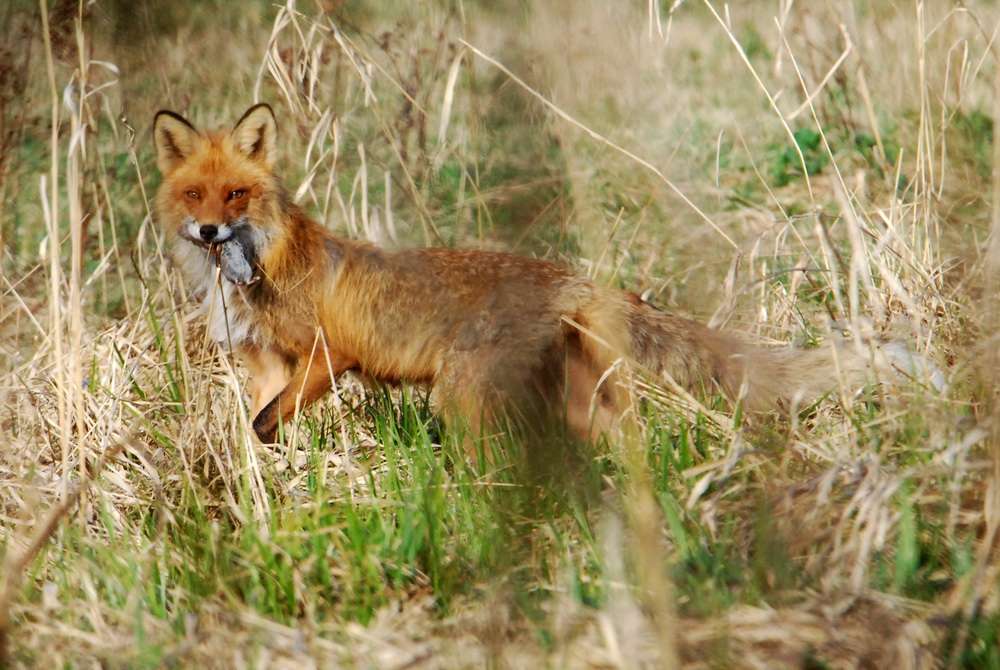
(774, 169)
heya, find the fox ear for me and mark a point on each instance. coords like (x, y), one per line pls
(256, 135)
(175, 139)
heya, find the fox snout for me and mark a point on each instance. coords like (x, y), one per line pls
(236, 245)
(209, 232)
(204, 234)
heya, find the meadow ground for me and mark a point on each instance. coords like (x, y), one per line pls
(792, 171)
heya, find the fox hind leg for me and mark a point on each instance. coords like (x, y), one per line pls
(470, 406)
(483, 393)
(592, 409)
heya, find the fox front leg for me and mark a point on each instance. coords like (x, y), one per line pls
(305, 386)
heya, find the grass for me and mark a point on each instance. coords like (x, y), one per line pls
(765, 169)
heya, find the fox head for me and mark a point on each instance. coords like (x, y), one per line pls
(216, 185)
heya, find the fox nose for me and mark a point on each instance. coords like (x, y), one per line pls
(208, 232)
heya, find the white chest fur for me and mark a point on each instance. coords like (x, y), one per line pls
(230, 315)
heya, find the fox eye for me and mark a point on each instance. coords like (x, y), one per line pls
(193, 195)
(237, 194)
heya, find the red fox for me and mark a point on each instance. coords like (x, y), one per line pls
(493, 334)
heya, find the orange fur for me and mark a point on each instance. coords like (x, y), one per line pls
(493, 333)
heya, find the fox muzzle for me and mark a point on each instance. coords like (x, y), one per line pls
(204, 234)
(208, 232)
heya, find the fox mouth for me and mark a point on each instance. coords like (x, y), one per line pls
(208, 235)
(233, 247)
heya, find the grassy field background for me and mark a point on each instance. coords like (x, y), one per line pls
(792, 171)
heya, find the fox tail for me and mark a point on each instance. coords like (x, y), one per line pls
(699, 358)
